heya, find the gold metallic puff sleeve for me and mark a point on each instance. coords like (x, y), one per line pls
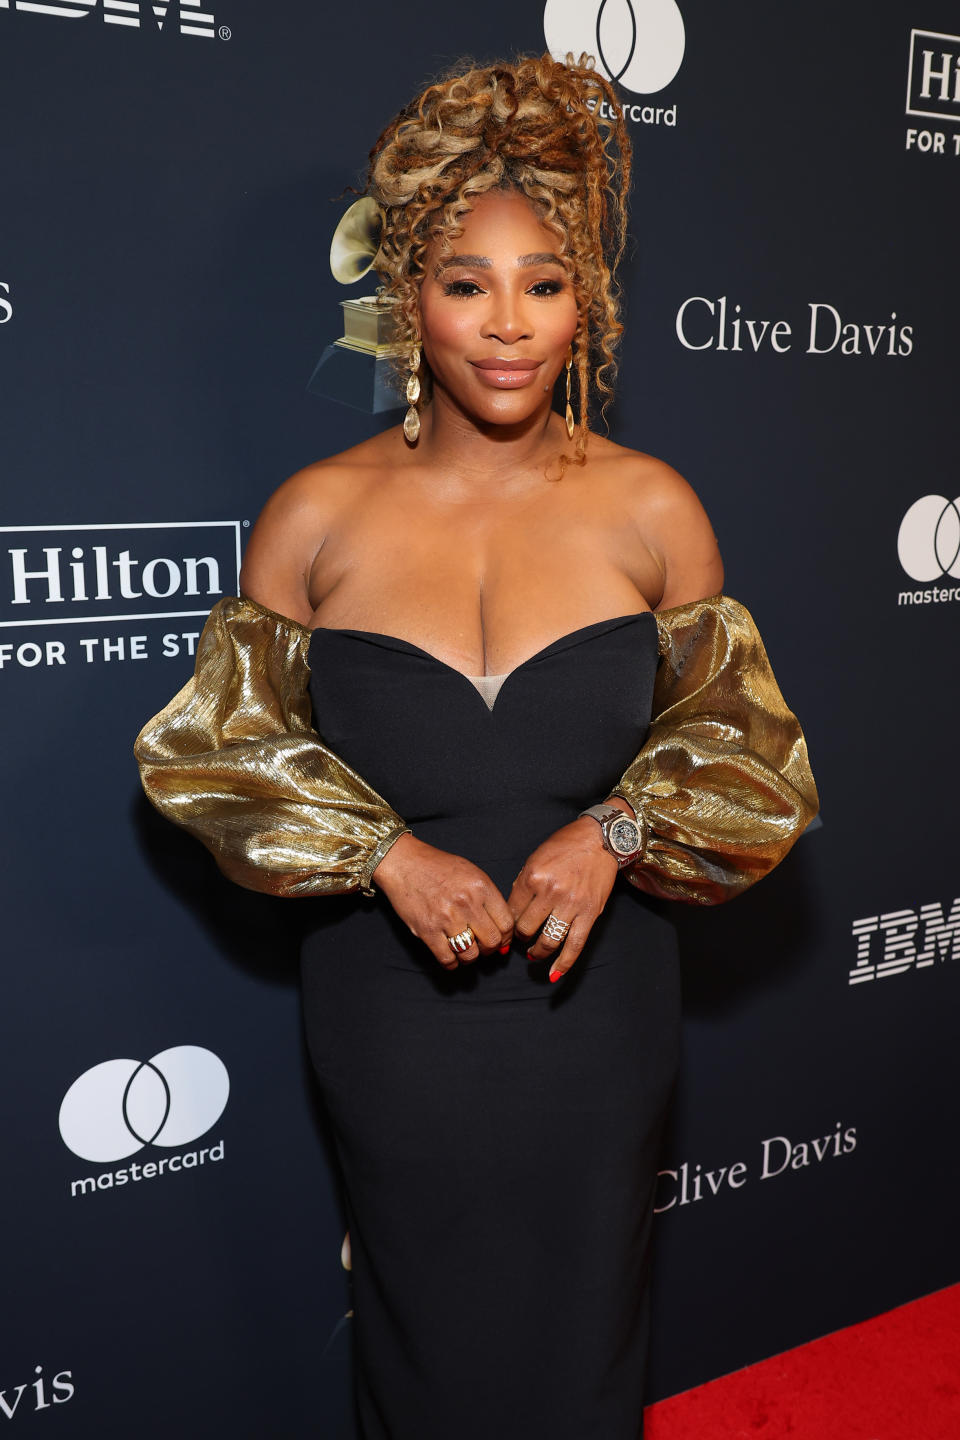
(234, 759)
(722, 786)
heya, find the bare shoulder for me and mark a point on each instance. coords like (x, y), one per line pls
(648, 486)
(668, 518)
(295, 522)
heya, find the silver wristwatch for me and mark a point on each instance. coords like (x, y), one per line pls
(622, 836)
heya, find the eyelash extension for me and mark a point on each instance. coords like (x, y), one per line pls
(463, 289)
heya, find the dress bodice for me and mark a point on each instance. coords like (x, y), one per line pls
(503, 770)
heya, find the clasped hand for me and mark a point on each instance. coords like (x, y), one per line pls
(438, 894)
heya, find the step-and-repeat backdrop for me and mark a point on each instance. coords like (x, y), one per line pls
(172, 1234)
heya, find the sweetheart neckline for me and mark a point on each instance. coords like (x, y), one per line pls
(572, 637)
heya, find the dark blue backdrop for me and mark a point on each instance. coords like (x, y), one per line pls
(164, 298)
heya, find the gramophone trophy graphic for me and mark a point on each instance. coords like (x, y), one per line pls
(358, 369)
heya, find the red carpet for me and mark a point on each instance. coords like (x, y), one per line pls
(896, 1377)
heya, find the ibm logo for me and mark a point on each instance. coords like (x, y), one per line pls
(903, 940)
(933, 75)
(193, 20)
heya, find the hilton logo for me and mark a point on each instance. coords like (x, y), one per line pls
(71, 574)
(933, 76)
(933, 92)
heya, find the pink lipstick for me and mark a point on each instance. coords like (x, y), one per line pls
(506, 374)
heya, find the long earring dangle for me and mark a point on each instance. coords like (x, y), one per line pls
(568, 417)
(411, 421)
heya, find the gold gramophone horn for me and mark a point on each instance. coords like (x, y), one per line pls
(356, 241)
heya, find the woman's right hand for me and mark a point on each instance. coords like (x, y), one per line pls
(437, 894)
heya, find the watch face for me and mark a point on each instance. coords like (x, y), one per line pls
(624, 836)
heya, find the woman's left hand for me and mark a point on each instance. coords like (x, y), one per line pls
(569, 875)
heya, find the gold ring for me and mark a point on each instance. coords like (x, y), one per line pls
(554, 928)
(462, 941)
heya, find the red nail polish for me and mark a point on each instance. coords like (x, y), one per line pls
(555, 975)
(530, 955)
(504, 948)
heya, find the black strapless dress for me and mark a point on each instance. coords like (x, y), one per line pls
(498, 1135)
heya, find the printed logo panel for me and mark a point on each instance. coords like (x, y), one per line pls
(188, 15)
(778, 1155)
(901, 941)
(116, 1108)
(928, 548)
(928, 543)
(33, 1394)
(933, 93)
(724, 325)
(638, 44)
(933, 77)
(74, 574)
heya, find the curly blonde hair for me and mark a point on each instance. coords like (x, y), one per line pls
(535, 126)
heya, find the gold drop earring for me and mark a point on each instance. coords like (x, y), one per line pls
(568, 417)
(411, 421)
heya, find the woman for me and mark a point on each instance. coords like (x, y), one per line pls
(490, 605)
